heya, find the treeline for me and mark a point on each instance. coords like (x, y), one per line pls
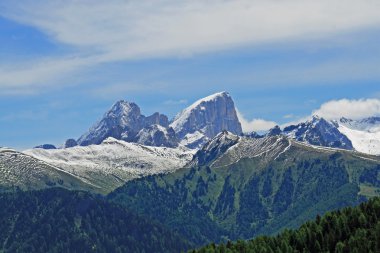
(58, 220)
(353, 229)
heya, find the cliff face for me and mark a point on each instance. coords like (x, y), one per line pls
(193, 127)
(208, 116)
(123, 121)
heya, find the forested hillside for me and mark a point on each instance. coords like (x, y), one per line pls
(57, 220)
(240, 194)
(354, 229)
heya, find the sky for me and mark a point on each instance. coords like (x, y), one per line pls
(63, 63)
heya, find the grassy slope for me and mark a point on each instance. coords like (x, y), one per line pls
(252, 196)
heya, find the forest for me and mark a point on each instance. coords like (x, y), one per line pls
(58, 220)
(351, 229)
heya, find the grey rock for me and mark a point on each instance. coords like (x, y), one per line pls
(157, 119)
(157, 135)
(123, 122)
(69, 143)
(46, 146)
(214, 148)
(276, 130)
(209, 116)
(252, 134)
(320, 132)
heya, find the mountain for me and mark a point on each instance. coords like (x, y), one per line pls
(320, 132)
(192, 127)
(205, 118)
(69, 143)
(156, 135)
(57, 220)
(113, 162)
(364, 134)
(354, 229)
(238, 187)
(46, 146)
(123, 122)
(361, 135)
(22, 171)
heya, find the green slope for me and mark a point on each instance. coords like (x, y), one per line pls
(21, 171)
(348, 230)
(58, 220)
(256, 187)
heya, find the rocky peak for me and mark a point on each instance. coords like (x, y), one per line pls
(320, 132)
(157, 119)
(46, 146)
(276, 130)
(215, 147)
(157, 135)
(69, 143)
(123, 122)
(208, 116)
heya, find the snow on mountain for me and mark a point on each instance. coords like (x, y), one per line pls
(113, 162)
(215, 147)
(227, 148)
(123, 122)
(364, 134)
(156, 135)
(319, 132)
(29, 173)
(205, 118)
(371, 124)
(361, 135)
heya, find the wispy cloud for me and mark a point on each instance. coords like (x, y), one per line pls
(116, 30)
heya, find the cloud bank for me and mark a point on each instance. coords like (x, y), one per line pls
(254, 124)
(352, 109)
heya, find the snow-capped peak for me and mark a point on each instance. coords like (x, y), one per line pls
(181, 117)
(208, 117)
(364, 133)
(122, 110)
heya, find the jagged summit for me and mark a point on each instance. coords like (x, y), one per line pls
(207, 117)
(123, 121)
(215, 148)
(276, 130)
(320, 132)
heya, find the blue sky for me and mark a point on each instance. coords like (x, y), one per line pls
(64, 63)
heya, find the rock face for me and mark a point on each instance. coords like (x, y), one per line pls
(320, 132)
(193, 127)
(206, 118)
(123, 122)
(276, 130)
(69, 143)
(252, 134)
(156, 135)
(214, 148)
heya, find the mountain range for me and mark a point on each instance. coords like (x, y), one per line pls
(207, 117)
(198, 177)
(124, 144)
(240, 187)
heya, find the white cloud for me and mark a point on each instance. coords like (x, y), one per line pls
(127, 29)
(352, 109)
(254, 124)
(106, 31)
